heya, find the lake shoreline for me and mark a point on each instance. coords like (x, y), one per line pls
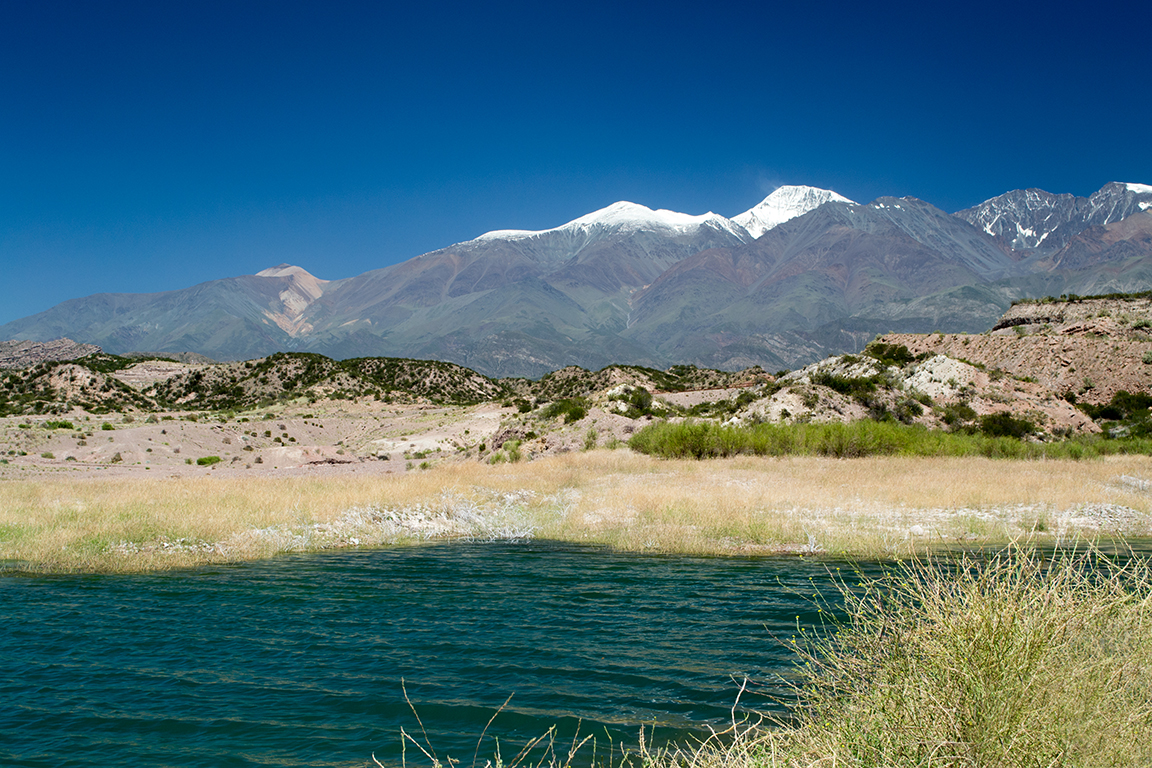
(858, 508)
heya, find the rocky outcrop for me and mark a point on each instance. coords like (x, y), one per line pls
(921, 392)
(1092, 348)
(1061, 313)
(25, 354)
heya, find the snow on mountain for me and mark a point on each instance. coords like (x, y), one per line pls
(628, 217)
(1024, 219)
(785, 203)
(1032, 219)
(1116, 201)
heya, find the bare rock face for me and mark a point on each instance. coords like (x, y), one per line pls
(25, 354)
(1092, 348)
(950, 381)
(1063, 313)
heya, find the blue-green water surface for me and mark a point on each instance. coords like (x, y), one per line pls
(298, 661)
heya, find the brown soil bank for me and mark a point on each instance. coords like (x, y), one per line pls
(1091, 347)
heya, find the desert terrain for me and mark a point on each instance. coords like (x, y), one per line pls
(113, 463)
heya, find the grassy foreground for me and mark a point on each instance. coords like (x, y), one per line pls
(1012, 661)
(867, 507)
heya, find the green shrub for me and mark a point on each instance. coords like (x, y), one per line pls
(858, 387)
(889, 354)
(1003, 424)
(590, 438)
(58, 425)
(640, 401)
(107, 427)
(907, 409)
(572, 409)
(205, 461)
(958, 413)
(512, 448)
(47, 455)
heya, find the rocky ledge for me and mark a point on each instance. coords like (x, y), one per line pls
(25, 354)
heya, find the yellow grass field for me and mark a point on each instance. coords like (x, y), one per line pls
(857, 507)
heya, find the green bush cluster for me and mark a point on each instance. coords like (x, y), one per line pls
(702, 439)
(571, 408)
(509, 452)
(866, 390)
(1124, 405)
(1003, 424)
(890, 354)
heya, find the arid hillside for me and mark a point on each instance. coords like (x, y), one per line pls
(1091, 348)
(1048, 371)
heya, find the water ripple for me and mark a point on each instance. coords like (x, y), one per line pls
(298, 661)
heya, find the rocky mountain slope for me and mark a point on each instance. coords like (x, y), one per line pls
(1029, 220)
(24, 354)
(804, 274)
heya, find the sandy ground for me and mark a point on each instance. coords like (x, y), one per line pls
(697, 396)
(323, 439)
(331, 438)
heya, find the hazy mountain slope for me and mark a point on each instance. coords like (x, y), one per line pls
(534, 296)
(803, 274)
(232, 318)
(868, 264)
(1112, 245)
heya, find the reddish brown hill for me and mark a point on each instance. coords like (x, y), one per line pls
(1093, 348)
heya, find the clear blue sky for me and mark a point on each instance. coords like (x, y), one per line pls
(151, 146)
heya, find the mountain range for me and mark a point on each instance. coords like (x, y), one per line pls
(804, 274)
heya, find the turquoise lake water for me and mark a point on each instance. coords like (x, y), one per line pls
(298, 661)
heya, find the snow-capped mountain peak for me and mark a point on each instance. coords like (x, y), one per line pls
(785, 203)
(627, 217)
